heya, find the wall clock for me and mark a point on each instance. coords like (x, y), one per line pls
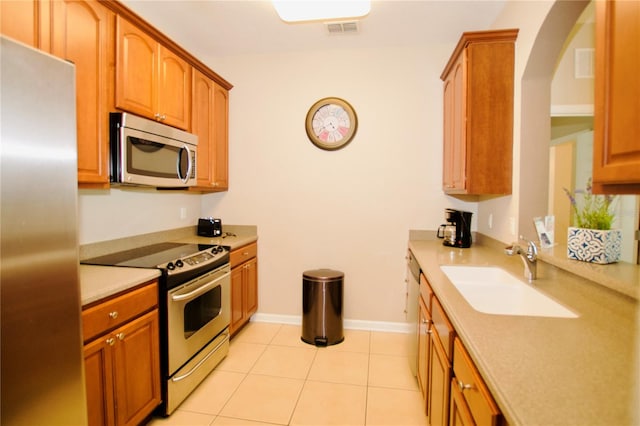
(331, 123)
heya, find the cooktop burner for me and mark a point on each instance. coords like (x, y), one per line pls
(152, 256)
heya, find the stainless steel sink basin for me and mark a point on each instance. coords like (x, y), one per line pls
(493, 290)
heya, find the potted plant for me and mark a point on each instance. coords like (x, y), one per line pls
(592, 239)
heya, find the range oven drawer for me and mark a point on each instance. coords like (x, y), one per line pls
(185, 380)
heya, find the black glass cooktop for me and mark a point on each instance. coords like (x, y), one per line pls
(148, 256)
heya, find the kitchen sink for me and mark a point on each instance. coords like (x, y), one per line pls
(493, 290)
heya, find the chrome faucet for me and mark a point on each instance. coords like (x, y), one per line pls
(529, 258)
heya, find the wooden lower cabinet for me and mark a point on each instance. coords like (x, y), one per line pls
(424, 347)
(455, 393)
(244, 286)
(122, 365)
(459, 414)
(469, 395)
(439, 383)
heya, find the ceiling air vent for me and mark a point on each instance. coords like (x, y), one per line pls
(346, 27)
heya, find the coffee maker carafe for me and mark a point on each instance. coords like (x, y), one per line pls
(457, 232)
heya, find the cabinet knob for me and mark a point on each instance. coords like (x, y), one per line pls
(120, 336)
(111, 341)
(113, 315)
(463, 386)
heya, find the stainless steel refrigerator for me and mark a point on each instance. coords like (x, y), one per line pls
(41, 345)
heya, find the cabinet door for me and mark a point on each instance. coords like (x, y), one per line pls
(82, 32)
(136, 70)
(616, 156)
(19, 20)
(439, 383)
(459, 414)
(221, 138)
(174, 90)
(137, 369)
(99, 381)
(424, 329)
(251, 286)
(237, 310)
(455, 129)
(202, 125)
(209, 120)
(472, 388)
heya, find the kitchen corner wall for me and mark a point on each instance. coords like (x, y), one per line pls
(350, 209)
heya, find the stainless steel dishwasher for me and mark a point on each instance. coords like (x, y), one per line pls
(412, 281)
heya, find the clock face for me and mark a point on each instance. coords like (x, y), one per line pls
(331, 123)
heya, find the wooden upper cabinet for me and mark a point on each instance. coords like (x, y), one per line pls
(616, 156)
(20, 20)
(151, 80)
(209, 122)
(82, 33)
(478, 114)
(221, 137)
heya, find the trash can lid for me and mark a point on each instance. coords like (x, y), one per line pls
(323, 274)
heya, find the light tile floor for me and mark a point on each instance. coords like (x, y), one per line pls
(271, 377)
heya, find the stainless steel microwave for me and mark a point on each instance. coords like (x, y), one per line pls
(148, 153)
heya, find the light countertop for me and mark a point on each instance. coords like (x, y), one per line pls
(547, 371)
(98, 282)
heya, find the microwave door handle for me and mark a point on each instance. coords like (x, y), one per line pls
(189, 165)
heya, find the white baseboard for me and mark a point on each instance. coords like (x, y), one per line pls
(391, 327)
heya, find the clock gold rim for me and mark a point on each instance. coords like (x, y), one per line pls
(353, 118)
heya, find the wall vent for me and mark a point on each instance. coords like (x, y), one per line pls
(584, 63)
(346, 27)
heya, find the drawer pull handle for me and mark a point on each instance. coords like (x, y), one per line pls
(120, 336)
(113, 315)
(462, 386)
(111, 341)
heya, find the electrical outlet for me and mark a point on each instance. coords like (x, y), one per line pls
(183, 213)
(490, 220)
(512, 226)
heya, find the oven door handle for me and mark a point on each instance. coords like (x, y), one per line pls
(198, 291)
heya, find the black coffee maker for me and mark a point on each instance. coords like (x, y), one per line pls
(456, 233)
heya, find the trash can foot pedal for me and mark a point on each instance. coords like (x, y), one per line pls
(321, 341)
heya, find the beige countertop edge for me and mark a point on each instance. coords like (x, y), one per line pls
(99, 282)
(549, 371)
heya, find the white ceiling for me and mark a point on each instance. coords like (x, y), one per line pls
(218, 28)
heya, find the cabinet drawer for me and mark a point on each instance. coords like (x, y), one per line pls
(467, 379)
(243, 254)
(442, 327)
(425, 291)
(105, 316)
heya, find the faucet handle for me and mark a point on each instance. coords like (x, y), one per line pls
(532, 250)
(512, 249)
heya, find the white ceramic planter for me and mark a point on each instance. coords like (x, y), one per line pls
(594, 245)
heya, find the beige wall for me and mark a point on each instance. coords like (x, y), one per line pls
(349, 209)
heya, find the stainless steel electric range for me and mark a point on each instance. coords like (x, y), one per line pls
(195, 310)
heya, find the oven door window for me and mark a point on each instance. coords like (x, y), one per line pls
(200, 311)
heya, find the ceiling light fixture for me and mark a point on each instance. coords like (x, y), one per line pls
(315, 10)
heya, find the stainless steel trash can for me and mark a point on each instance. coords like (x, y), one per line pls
(322, 294)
